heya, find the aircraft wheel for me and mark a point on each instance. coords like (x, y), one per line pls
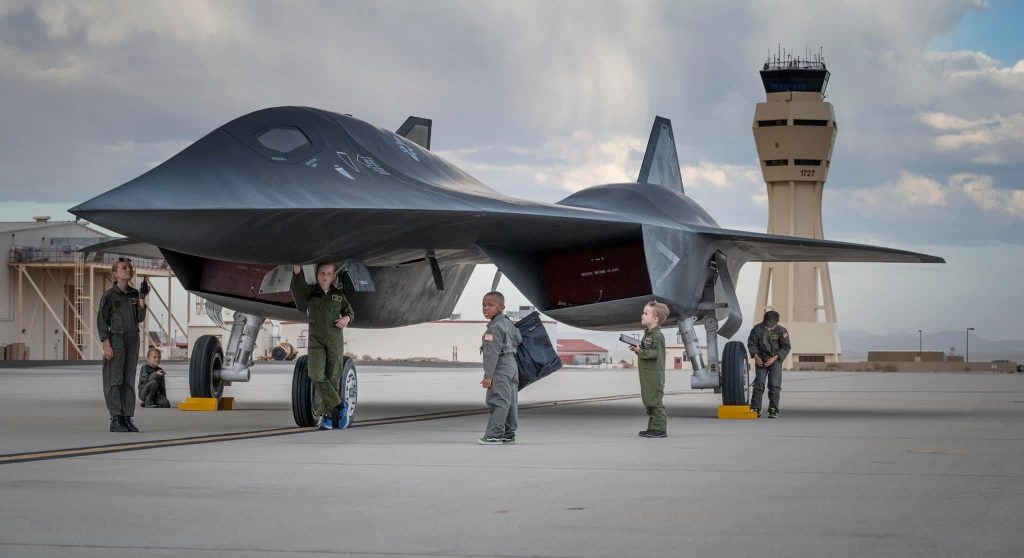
(204, 368)
(349, 391)
(305, 399)
(302, 393)
(735, 373)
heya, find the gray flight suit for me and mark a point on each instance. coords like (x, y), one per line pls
(152, 389)
(768, 343)
(498, 347)
(651, 366)
(118, 320)
(326, 340)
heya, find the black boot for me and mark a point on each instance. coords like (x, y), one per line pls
(128, 424)
(116, 425)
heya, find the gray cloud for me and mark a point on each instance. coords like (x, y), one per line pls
(534, 98)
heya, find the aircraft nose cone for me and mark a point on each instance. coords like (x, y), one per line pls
(117, 209)
(195, 179)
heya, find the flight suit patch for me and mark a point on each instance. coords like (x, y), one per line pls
(488, 337)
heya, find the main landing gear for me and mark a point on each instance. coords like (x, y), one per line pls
(730, 376)
(305, 398)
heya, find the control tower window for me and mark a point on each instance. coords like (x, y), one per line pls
(807, 162)
(784, 80)
(283, 140)
(804, 122)
(776, 162)
(766, 123)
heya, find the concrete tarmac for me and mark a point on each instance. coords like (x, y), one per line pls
(860, 464)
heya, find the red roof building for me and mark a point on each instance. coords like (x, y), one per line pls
(580, 352)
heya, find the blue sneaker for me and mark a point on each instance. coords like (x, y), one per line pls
(325, 423)
(343, 418)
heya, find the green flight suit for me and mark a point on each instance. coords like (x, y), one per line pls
(152, 389)
(118, 321)
(498, 346)
(768, 343)
(651, 365)
(326, 340)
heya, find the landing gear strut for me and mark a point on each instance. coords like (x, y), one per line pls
(211, 367)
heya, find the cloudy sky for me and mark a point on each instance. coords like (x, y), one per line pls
(539, 99)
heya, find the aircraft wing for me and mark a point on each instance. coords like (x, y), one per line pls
(759, 247)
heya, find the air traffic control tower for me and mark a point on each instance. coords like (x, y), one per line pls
(794, 131)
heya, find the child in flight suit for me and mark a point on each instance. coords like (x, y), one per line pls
(501, 373)
(651, 365)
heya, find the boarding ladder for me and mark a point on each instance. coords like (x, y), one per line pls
(80, 300)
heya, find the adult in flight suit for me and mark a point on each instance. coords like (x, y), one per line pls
(501, 373)
(117, 323)
(769, 344)
(329, 313)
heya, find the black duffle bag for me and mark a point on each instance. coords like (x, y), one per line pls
(535, 355)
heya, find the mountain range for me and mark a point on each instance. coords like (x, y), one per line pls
(855, 343)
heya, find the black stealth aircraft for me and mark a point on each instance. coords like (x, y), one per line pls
(294, 184)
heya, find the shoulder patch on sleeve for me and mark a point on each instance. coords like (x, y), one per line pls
(785, 334)
(488, 337)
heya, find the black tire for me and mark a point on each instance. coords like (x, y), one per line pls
(304, 396)
(204, 368)
(302, 393)
(735, 370)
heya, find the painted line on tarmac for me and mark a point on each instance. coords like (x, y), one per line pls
(253, 434)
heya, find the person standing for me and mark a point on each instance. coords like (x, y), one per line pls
(117, 323)
(329, 313)
(769, 344)
(501, 373)
(650, 356)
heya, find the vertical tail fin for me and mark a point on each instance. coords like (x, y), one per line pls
(661, 163)
(417, 130)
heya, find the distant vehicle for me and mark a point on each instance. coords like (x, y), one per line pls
(235, 209)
